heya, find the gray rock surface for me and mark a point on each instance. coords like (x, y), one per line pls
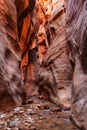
(76, 28)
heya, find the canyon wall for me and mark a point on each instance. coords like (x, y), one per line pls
(45, 40)
(12, 92)
(76, 28)
(63, 64)
(28, 24)
(55, 75)
(19, 23)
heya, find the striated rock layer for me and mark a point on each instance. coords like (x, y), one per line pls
(56, 71)
(19, 23)
(77, 38)
(28, 24)
(57, 52)
(12, 91)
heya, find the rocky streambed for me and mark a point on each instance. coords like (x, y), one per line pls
(36, 115)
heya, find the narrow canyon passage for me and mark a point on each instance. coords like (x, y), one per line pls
(43, 64)
(37, 114)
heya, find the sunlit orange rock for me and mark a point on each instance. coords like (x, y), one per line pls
(28, 24)
(44, 13)
(55, 75)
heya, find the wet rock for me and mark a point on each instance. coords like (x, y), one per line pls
(8, 128)
(23, 127)
(56, 109)
(30, 111)
(19, 119)
(33, 128)
(2, 115)
(41, 118)
(2, 123)
(29, 101)
(14, 123)
(30, 120)
(43, 106)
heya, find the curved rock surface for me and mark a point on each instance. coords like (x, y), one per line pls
(77, 38)
(28, 24)
(12, 91)
(57, 51)
(56, 71)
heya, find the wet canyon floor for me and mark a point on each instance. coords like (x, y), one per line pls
(37, 114)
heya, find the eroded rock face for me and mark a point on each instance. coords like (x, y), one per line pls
(12, 91)
(56, 71)
(42, 36)
(28, 24)
(77, 37)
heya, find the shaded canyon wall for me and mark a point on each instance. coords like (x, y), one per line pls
(12, 92)
(19, 24)
(63, 65)
(47, 41)
(76, 28)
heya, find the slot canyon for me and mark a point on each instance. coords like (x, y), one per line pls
(43, 64)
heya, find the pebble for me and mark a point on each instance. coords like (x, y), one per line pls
(56, 109)
(34, 117)
(30, 111)
(17, 109)
(14, 123)
(30, 120)
(8, 128)
(32, 128)
(2, 116)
